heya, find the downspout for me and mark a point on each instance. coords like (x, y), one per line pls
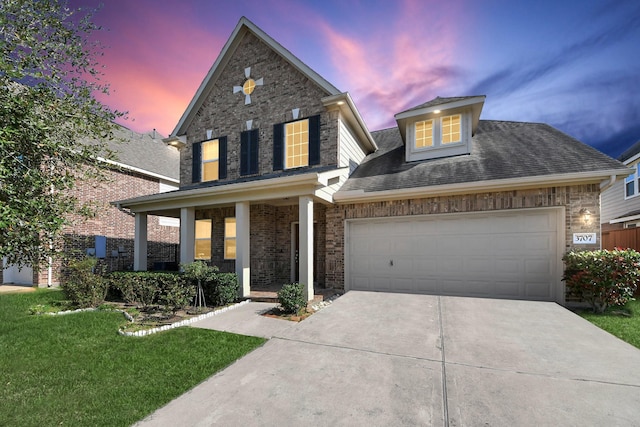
(604, 185)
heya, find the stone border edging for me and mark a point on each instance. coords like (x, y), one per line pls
(145, 332)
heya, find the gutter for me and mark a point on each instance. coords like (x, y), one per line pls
(475, 187)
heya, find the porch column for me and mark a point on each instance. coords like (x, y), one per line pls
(243, 254)
(140, 242)
(187, 235)
(306, 245)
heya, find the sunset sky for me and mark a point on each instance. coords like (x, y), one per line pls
(574, 64)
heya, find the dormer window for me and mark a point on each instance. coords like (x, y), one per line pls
(442, 127)
(451, 129)
(424, 134)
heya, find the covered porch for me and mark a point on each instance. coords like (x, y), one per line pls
(269, 232)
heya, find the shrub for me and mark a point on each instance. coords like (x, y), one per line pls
(139, 287)
(602, 277)
(200, 274)
(84, 283)
(291, 297)
(225, 289)
(175, 292)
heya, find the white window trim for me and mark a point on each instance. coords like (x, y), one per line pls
(636, 185)
(437, 134)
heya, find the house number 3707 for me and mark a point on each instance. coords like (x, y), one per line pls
(584, 238)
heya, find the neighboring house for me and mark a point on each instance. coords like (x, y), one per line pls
(281, 181)
(145, 165)
(620, 205)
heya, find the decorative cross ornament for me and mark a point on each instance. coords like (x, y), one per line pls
(249, 86)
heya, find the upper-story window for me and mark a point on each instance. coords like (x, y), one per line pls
(424, 134)
(438, 132)
(210, 160)
(297, 144)
(451, 129)
(632, 184)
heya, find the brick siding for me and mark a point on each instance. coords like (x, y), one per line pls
(226, 114)
(573, 198)
(117, 226)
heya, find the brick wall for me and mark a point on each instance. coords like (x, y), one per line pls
(269, 241)
(117, 226)
(573, 198)
(226, 114)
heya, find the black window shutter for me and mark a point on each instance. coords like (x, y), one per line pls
(222, 157)
(249, 152)
(314, 140)
(254, 143)
(196, 165)
(244, 153)
(278, 147)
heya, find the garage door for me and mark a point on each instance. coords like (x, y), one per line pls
(504, 254)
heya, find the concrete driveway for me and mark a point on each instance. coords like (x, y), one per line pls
(397, 359)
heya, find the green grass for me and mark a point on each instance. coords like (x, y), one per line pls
(76, 369)
(613, 321)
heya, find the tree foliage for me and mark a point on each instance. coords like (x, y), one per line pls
(51, 124)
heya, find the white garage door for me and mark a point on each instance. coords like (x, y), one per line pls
(504, 254)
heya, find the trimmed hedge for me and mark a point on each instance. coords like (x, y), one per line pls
(602, 277)
(219, 288)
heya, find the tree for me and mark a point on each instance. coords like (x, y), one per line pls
(48, 80)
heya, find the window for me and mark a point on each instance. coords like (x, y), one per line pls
(632, 184)
(229, 238)
(203, 239)
(424, 134)
(210, 160)
(297, 144)
(436, 133)
(451, 129)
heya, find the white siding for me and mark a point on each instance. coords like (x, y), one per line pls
(350, 154)
(165, 187)
(613, 205)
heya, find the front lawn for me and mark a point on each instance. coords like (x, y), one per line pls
(623, 322)
(76, 369)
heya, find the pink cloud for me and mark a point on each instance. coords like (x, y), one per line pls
(407, 64)
(154, 63)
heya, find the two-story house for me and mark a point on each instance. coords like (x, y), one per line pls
(282, 181)
(620, 203)
(144, 165)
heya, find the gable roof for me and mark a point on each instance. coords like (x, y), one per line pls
(630, 153)
(513, 154)
(243, 27)
(144, 153)
(437, 101)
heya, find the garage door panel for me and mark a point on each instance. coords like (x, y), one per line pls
(537, 290)
(506, 254)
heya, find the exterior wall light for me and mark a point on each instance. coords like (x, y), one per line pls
(586, 215)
